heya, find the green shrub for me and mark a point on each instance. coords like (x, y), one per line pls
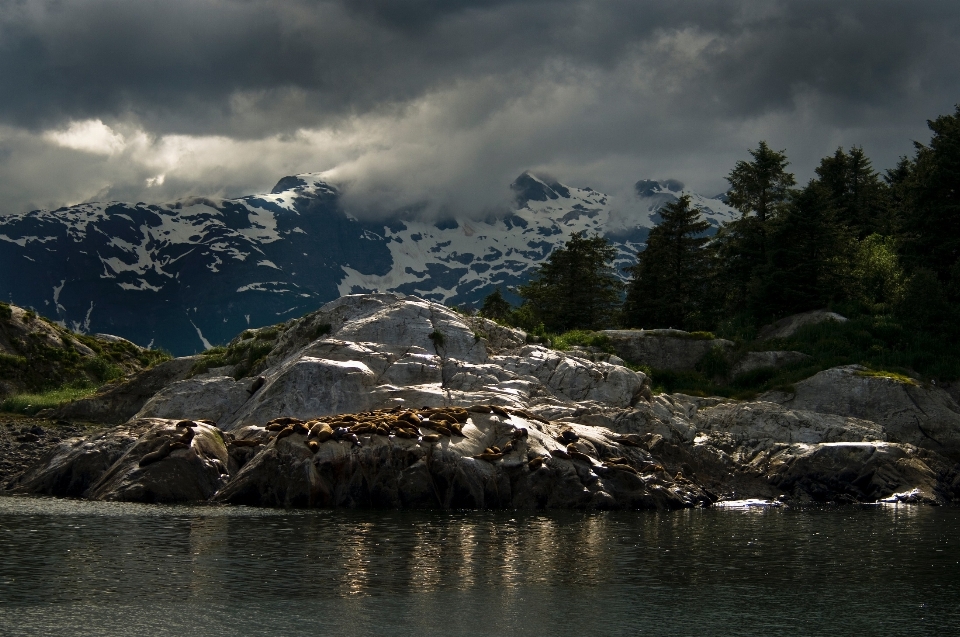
(102, 369)
(437, 337)
(322, 330)
(5, 312)
(714, 363)
(582, 338)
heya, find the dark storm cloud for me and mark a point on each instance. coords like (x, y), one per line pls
(179, 64)
(457, 95)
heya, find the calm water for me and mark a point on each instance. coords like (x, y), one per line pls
(79, 568)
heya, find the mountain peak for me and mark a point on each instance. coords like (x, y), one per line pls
(529, 187)
(651, 187)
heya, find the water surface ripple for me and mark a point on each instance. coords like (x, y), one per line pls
(83, 568)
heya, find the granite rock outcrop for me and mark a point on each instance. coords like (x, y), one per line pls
(384, 400)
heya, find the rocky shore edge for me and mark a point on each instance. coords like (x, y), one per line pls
(385, 400)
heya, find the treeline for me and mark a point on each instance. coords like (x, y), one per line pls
(852, 239)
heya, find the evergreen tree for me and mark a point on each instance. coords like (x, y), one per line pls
(576, 288)
(667, 285)
(932, 222)
(809, 259)
(855, 191)
(495, 306)
(760, 190)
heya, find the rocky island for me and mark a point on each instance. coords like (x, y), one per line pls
(386, 400)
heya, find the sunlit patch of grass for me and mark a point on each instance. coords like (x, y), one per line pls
(581, 338)
(32, 403)
(879, 373)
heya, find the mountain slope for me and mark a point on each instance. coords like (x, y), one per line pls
(193, 273)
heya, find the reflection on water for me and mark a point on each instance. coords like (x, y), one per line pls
(82, 568)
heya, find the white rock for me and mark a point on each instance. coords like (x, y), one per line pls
(207, 398)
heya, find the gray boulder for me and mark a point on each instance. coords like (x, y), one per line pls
(909, 412)
(788, 326)
(74, 465)
(759, 360)
(673, 350)
(154, 470)
(202, 398)
(145, 460)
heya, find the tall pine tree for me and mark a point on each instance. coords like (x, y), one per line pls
(576, 288)
(760, 190)
(932, 221)
(666, 289)
(856, 192)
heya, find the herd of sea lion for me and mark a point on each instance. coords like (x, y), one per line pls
(182, 441)
(430, 425)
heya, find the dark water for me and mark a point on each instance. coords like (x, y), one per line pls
(76, 568)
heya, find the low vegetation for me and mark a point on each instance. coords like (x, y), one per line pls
(247, 353)
(47, 364)
(31, 403)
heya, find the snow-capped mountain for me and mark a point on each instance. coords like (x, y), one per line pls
(195, 272)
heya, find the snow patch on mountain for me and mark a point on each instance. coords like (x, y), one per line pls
(234, 263)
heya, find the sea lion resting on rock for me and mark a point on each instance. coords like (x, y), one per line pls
(162, 452)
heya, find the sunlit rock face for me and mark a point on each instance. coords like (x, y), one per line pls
(193, 273)
(394, 401)
(908, 411)
(389, 350)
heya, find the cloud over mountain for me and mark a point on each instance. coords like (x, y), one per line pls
(413, 102)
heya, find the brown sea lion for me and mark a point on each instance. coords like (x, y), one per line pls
(621, 467)
(314, 445)
(322, 432)
(431, 438)
(529, 415)
(535, 463)
(500, 411)
(479, 409)
(579, 455)
(489, 457)
(629, 440)
(284, 420)
(276, 426)
(559, 453)
(207, 422)
(257, 384)
(162, 452)
(300, 428)
(185, 423)
(411, 418)
(187, 436)
(286, 431)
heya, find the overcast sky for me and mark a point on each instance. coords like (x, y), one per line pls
(404, 101)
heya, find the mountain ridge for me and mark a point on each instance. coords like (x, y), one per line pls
(190, 274)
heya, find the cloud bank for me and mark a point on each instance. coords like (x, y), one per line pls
(403, 102)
